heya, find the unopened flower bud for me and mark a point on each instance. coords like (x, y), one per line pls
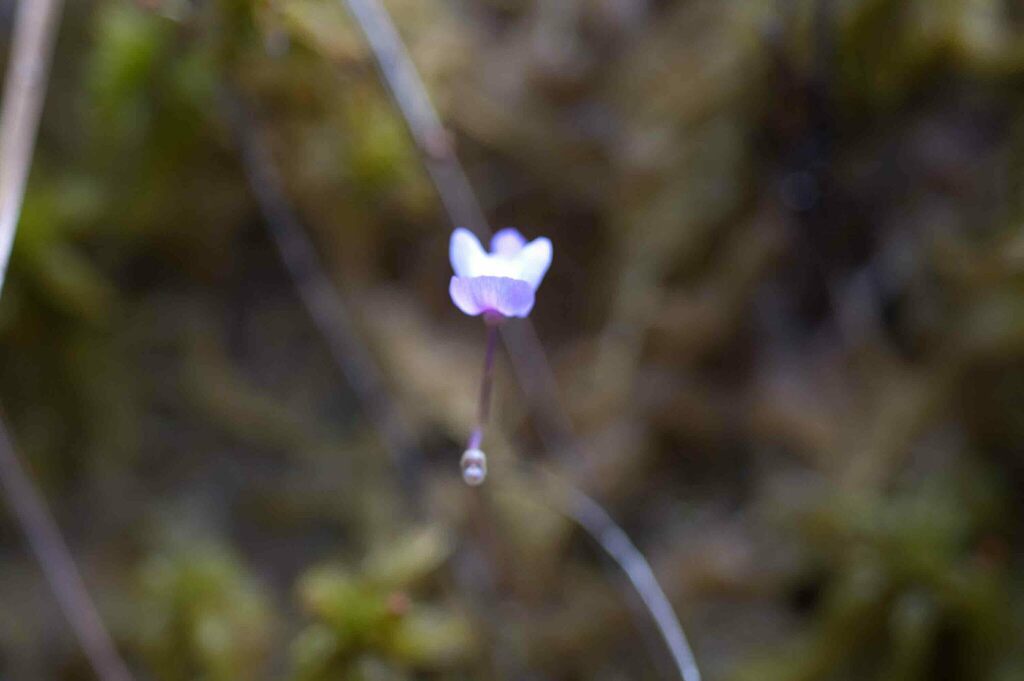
(474, 467)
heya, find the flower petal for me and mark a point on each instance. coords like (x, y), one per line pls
(467, 255)
(533, 261)
(476, 295)
(507, 242)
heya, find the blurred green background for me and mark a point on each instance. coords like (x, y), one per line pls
(786, 316)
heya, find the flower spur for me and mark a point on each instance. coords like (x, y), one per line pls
(497, 285)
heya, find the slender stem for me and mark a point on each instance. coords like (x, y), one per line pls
(597, 523)
(476, 437)
(488, 378)
(422, 119)
(58, 565)
(320, 297)
(35, 33)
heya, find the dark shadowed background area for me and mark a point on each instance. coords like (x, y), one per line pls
(785, 316)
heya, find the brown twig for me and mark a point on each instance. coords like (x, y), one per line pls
(35, 32)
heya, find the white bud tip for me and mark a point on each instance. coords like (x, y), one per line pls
(474, 467)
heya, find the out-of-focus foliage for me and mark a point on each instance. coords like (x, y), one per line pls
(786, 314)
(201, 617)
(369, 626)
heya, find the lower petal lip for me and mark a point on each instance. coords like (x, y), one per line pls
(502, 296)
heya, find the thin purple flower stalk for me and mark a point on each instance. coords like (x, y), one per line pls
(495, 286)
(474, 461)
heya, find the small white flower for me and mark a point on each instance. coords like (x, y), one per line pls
(502, 282)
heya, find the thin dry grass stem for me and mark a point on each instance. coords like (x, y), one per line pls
(424, 124)
(35, 32)
(528, 358)
(321, 298)
(594, 519)
(58, 565)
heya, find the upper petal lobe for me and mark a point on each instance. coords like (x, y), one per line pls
(507, 242)
(533, 261)
(467, 255)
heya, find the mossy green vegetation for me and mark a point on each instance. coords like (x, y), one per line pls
(786, 316)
